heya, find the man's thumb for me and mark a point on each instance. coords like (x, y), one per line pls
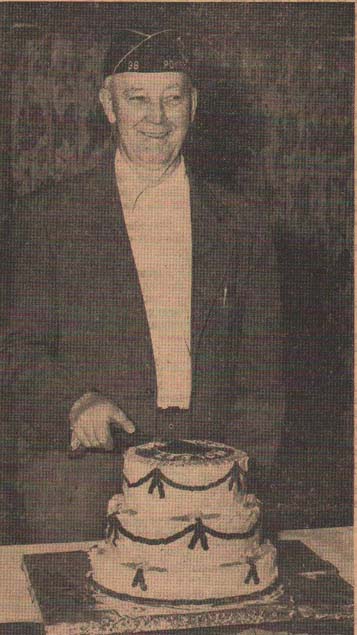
(109, 444)
(120, 420)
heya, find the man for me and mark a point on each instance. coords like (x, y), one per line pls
(143, 300)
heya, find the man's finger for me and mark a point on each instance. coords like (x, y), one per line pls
(83, 439)
(108, 445)
(120, 420)
(103, 436)
(75, 442)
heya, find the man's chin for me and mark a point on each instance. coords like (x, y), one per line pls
(155, 160)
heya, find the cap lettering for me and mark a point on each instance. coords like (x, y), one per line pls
(133, 66)
(169, 64)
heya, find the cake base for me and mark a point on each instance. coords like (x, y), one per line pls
(275, 589)
(70, 605)
(193, 577)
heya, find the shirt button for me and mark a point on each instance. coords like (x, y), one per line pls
(171, 426)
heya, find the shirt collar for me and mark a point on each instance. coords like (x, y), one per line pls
(130, 186)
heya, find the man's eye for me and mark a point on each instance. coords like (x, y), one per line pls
(173, 99)
(138, 98)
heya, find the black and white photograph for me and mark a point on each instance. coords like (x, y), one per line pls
(176, 318)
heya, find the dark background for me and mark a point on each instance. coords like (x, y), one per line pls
(276, 120)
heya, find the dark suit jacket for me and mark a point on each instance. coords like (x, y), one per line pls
(77, 320)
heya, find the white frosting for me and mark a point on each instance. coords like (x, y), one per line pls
(173, 571)
(183, 577)
(159, 521)
(183, 470)
(186, 472)
(220, 551)
(229, 511)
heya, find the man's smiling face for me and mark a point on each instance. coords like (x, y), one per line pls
(152, 113)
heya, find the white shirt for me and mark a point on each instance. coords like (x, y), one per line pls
(158, 222)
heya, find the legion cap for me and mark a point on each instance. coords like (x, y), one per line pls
(134, 51)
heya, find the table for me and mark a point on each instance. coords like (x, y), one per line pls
(332, 544)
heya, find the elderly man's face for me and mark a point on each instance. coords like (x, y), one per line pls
(152, 113)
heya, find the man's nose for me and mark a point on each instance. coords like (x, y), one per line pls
(156, 112)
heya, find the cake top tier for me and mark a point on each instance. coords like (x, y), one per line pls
(188, 463)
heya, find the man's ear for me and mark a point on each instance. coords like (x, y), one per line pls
(194, 99)
(105, 98)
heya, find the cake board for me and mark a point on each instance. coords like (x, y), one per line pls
(310, 593)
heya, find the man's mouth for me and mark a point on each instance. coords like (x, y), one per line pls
(158, 134)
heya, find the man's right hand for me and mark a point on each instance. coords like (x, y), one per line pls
(91, 418)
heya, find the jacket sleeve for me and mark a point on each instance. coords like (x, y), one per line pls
(259, 406)
(36, 390)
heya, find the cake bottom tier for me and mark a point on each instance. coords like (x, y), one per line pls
(115, 569)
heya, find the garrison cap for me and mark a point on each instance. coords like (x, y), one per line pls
(134, 51)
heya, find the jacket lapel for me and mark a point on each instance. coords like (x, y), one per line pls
(113, 233)
(211, 257)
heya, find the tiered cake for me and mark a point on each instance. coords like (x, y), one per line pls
(185, 529)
